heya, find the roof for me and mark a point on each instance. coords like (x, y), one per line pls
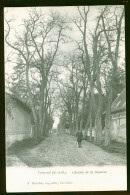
(19, 101)
(119, 103)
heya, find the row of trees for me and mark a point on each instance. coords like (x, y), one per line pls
(95, 77)
(34, 50)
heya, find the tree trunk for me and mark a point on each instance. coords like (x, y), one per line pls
(108, 119)
(40, 119)
(83, 105)
(92, 108)
(98, 120)
(98, 126)
(70, 123)
(31, 103)
(90, 125)
(74, 122)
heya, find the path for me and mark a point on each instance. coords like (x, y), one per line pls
(62, 150)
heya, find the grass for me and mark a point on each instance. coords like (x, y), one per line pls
(23, 145)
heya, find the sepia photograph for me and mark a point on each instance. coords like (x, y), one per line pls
(65, 91)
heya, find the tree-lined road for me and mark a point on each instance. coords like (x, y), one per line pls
(62, 150)
(62, 68)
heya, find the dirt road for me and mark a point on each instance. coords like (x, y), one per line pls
(62, 150)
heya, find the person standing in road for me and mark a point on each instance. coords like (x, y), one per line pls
(79, 136)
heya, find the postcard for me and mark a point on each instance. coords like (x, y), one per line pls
(65, 98)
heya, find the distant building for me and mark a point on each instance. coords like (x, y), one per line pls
(17, 119)
(118, 118)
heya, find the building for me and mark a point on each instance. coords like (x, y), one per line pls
(118, 118)
(17, 119)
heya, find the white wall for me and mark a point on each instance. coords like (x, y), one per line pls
(118, 129)
(18, 124)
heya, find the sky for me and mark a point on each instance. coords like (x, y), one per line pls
(56, 122)
(20, 13)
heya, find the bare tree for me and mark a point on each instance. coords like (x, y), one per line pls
(112, 28)
(37, 47)
(97, 51)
